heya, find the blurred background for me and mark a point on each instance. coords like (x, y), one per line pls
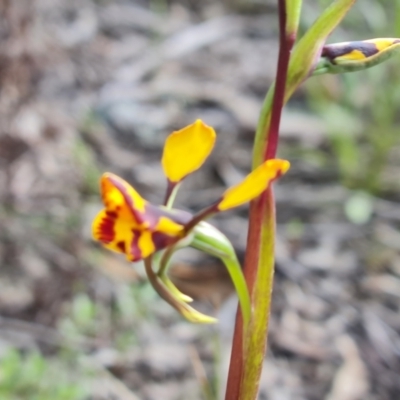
(88, 86)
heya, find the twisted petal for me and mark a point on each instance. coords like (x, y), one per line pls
(186, 150)
(253, 185)
(131, 225)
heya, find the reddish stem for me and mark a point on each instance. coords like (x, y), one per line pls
(286, 42)
(258, 207)
(250, 273)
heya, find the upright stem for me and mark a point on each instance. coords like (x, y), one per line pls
(286, 42)
(234, 383)
(248, 348)
(246, 363)
(261, 297)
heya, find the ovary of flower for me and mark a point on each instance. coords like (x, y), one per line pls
(130, 225)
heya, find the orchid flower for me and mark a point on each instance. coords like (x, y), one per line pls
(130, 225)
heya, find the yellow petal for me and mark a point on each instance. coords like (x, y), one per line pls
(169, 227)
(146, 244)
(186, 150)
(119, 196)
(253, 185)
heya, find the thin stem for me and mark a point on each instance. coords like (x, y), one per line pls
(244, 372)
(165, 259)
(286, 43)
(235, 374)
(170, 195)
(201, 216)
(256, 343)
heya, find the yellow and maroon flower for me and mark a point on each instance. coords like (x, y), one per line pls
(130, 225)
(343, 57)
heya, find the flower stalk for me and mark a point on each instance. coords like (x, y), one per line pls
(248, 351)
(293, 68)
(287, 37)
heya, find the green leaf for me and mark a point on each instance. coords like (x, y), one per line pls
(302, 62)
(307, 51)
(293, 9)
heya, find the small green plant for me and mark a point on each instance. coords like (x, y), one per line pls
(84, 159)
(31, 376)
(86, 318)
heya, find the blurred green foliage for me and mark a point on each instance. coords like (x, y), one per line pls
(31, 376)
(85, 160)
(116, 319)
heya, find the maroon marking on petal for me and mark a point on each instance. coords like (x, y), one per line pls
(121, 246)
(333, 51)
(135, 251)
(106, 230)
(112, 214)
(161, 240)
